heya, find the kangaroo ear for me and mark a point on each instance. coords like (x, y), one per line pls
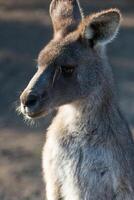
(102, 27)
(65, 15)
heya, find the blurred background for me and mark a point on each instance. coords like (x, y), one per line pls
(25, 27)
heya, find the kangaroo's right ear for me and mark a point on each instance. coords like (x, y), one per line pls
(65, 15)
(101, 27)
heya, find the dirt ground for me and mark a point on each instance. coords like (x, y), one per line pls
(24, 30)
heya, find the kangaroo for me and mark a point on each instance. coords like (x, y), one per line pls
(89, 150)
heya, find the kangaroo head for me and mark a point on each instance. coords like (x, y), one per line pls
(69, 67)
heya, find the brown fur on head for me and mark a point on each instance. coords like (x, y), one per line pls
(71, 66)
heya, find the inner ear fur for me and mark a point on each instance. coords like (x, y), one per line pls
(101, 27)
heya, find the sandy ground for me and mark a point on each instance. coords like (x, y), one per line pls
(24, 30)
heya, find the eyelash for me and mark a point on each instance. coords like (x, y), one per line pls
(67, 70)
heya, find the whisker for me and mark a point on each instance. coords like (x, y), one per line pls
(30, 122)
(18, 110)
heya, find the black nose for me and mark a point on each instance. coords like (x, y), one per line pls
(29, 100)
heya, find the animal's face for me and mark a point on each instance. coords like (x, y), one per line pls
(68, 66)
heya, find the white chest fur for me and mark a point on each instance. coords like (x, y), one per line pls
(56, 165)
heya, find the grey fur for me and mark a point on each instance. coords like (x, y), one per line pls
(89, 150)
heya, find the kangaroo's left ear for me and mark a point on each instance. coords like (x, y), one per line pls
(101, 27)
(66, 16)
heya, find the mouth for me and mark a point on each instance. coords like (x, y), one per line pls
(31, 113)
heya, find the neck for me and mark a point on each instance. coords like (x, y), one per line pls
(86, 116)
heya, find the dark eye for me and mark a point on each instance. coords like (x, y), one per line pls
(67, 70)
